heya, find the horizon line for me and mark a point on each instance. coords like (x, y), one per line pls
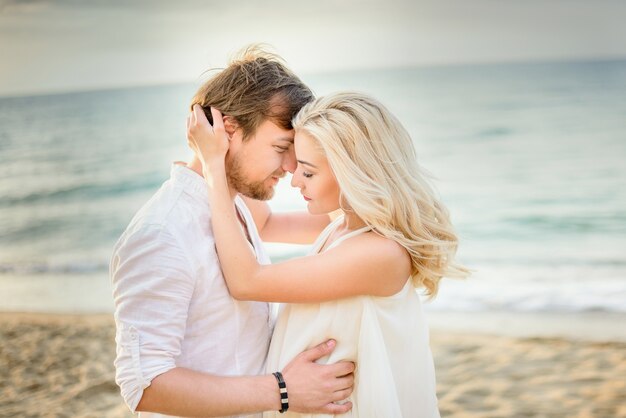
(101, 88)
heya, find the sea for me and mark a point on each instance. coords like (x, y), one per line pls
(528, 157)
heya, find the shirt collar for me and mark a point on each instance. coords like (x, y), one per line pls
(191, 181)
(194, 183)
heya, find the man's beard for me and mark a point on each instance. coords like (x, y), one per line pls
(237, 179)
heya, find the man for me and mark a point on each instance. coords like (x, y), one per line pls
(185, 347)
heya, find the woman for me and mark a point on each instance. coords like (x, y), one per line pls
(357, 285)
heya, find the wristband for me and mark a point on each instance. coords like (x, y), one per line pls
(282, 387)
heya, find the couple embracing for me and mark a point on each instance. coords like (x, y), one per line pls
(194, 287)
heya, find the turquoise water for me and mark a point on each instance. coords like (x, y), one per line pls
(528, 157)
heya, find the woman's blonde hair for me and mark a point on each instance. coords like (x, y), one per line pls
(374, 161)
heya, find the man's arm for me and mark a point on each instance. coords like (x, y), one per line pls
(289, 227)
(152, 288)
(311, 388)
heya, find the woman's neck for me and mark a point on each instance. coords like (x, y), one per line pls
(352, 222)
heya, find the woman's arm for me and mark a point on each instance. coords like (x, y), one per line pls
(289, 227)
(370, 265)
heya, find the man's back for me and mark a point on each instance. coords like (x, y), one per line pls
(172, 306)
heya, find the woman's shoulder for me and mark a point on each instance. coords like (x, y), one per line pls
(383, 245)
(383, 254)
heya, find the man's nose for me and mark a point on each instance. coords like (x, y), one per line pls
(289, 160)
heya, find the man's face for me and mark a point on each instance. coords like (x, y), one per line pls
(255, 166)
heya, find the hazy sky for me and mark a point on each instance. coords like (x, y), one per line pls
(63, 45)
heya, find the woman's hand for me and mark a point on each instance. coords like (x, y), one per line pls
(210, 143)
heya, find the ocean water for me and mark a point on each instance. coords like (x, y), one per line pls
(529, 159)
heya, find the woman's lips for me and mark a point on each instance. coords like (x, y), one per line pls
(306, 198)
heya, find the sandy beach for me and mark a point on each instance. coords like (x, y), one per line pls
(62, 366)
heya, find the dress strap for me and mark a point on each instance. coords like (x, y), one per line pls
(349, 235)
(323, 237)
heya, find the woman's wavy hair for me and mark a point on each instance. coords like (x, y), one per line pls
(254, 87)
(374, 161)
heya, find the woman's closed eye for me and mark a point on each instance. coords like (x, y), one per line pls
(307, 175)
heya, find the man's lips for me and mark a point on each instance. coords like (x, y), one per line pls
(306, 198)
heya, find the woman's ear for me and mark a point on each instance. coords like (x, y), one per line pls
(230, 126)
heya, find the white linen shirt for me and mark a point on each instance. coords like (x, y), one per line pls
(172, 306)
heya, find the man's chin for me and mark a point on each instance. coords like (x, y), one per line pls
(258, 193)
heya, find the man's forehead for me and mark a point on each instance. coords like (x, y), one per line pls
(273, 132)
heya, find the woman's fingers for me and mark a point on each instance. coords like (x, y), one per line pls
(206, 141)
(218, 120)
(197, 123)
(192, 116)
(199, 118)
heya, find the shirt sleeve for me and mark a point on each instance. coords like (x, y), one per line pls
(152, 287)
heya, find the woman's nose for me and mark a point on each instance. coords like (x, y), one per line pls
(295, 179)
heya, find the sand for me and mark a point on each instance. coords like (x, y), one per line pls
(489, 377)
(58, 366)
(62, 366)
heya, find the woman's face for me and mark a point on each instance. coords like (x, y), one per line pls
(314, 177)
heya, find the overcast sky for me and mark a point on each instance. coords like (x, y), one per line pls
(61, 45)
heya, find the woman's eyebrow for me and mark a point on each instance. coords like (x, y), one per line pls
(305, 163)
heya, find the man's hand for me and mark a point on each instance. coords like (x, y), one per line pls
(315, 387)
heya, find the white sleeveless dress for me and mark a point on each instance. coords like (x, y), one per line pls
(387, 337)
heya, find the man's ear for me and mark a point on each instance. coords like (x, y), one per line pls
(230, 126)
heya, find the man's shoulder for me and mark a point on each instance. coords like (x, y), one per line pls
(170, 213)
(170, 207)
(157, 208)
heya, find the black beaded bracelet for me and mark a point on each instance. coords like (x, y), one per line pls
(282, 387)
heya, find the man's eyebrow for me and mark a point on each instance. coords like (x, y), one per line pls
(305, 163)
(286, 139)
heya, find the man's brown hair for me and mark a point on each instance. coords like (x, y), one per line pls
(256, 85)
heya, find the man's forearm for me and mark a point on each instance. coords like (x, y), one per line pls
(185, 392)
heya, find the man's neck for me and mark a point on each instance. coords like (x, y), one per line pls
(196, 165)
